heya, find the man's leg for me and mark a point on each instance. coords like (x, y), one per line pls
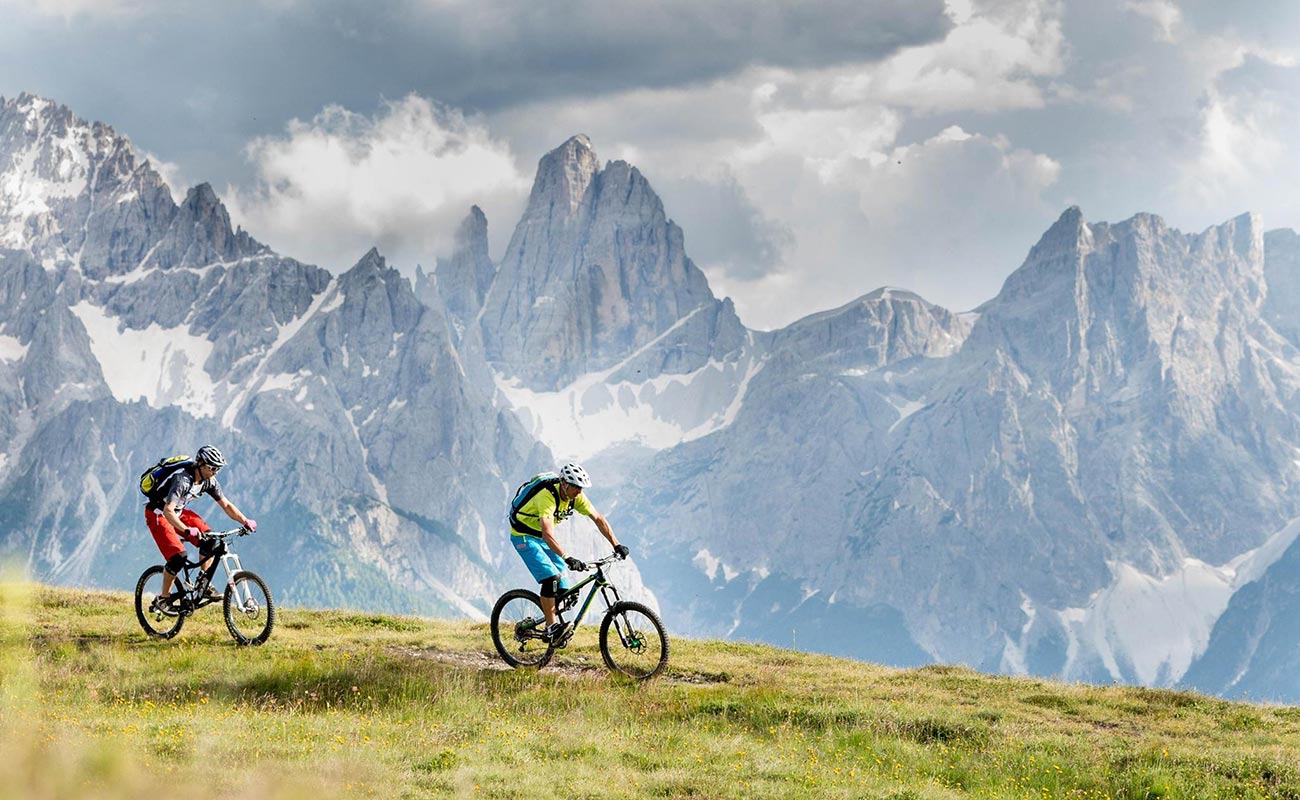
(548, 603)
(537, 557)
(193, 520)
(169, 544)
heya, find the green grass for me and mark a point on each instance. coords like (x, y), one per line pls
(346, 704)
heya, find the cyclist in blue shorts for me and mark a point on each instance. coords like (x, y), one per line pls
(543, 502)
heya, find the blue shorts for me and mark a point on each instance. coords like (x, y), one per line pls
(541, 560)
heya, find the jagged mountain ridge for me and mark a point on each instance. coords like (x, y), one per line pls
(1118, 424)
(341, 400)
(1007, 489)
(599, 328)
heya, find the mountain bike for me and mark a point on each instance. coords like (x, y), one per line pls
(246, 603)
(632, 639)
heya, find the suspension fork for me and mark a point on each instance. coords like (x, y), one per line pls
(607, 590)
(230, 563)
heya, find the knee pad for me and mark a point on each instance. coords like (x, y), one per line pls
(549, 586)
(175, 564)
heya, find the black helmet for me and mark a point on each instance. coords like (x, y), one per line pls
(210, 456)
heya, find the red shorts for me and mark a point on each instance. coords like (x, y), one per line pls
(168, 538)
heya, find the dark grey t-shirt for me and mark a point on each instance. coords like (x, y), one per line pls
(181, 488)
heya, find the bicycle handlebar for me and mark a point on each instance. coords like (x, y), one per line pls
(602, 562)
(240, 531)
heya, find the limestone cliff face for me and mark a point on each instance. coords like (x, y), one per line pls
(1091, 476)
(594, 272)
(463, 279)
(132, 327)
(1124, 406)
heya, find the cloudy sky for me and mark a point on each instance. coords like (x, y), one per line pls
(811, 151)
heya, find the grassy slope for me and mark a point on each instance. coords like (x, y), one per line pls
(354, 705)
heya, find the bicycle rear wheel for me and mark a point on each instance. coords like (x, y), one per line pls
(249, 608)
(519, 629)
(159, 621)
(633, 641)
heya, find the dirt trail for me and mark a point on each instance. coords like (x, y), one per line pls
(575, 668)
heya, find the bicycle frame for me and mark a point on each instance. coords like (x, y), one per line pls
(602, 583)
(229, 562)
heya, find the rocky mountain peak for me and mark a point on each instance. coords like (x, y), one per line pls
(372, 263)
(1244, 236)
(463, 279)
(563, 177)
(73, 192)
(473, 228)
(203, 208)
(594, 271)
(35, 110)
(1063, 240)
(879, 328)
(200, 234)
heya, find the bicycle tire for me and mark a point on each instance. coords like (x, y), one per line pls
(259, 613)
(150, 619)
(639, 646)
(520, 611)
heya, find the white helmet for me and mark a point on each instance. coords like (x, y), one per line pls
(576, 475)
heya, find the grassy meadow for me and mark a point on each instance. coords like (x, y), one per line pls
(345, 704)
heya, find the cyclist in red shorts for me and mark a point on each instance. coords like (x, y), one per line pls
(169, 520)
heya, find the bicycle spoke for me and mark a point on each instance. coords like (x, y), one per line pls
(633, 641)
(518, 628)
(158, 617)
(249, 609)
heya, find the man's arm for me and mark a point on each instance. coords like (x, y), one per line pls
(603, 525)
(232, 512)
(173, 516)
(548, 535)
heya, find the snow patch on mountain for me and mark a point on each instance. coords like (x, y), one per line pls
(11, 349)
(25, 192)
(327, 300)
(592, 413)
(1014, 658)
(162, 366)
(1160, 624)
(709, 565)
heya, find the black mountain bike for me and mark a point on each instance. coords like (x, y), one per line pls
(632, 639)
(247, 602)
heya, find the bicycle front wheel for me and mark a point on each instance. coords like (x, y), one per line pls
(633, 641)
(249, 608)
(519, 629)
(161, 621)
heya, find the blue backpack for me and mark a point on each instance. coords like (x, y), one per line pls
(152, 479)
(529, 490)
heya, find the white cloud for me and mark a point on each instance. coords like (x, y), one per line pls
(948, 217)
(69, 9)
(1166, 16)
(1244, 161)
(331, 188)
(934, 169)
(822, 208)
(989, 61)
